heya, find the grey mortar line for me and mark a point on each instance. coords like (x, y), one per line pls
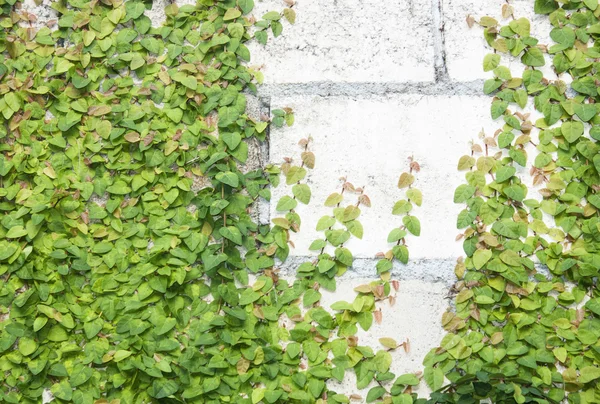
(439, 41)
(432, 270)
(372, 89)
(264, 208)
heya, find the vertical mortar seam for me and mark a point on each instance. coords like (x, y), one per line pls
(439, 41)
(264, 209)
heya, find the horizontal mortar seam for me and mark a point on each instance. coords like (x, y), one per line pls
(373, 89)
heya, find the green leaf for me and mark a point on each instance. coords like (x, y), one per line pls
(62, 390)
(414, 195)
(231, 233)
(121, 354)
(231, 139)
(407, 380)
(190, 82)
(337, 237)
(286, 203)
(463, 193)
(481, 257)
(271, 16)
(395, 235)
(572, 130)
(491, 85)
(228, 178)
(16, 232)
(413, 225)
(589, 373)
(162, 388)
(174, 114)
(119, 188)
(434, 377)
(483, 299)
(232, 14)
(504, 173)
(388, 342)
(533, 57)
(545, 6)
(375, 393)
(295, 174)
(344, 256)
(491, 61)
(325, 222)
(27, 346)
(585, 112)
(593, 305)
(302, 193)
(246, 5)
(401, 207)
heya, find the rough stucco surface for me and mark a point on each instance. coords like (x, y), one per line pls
(354, 41)
(373, 83)
(369, 140)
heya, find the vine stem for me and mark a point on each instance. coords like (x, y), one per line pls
(224, 218)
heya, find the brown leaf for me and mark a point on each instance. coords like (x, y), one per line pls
(132, 137)
(308, 158)
(98, 110)
(470, 21)
(352, 341)
(242, 366)
(507, 10)
(257, 311)
(490, 141)
(364, 200)
(148, 139)
(379, 291)
(405, 180)
(378, 315)
(414, 166)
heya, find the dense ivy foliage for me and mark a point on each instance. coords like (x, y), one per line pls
(527, 322)
(132, 270)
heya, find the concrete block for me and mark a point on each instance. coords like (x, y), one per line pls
(39, 14)
(350, 40)
(369, 140)
(465, 47)
(415, 317)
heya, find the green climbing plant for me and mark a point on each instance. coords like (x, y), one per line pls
(132, 267)
(526, 324)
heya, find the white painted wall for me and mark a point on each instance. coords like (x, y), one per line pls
(373, 83)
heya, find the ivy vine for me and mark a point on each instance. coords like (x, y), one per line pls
(132, 268)
(527, 322)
